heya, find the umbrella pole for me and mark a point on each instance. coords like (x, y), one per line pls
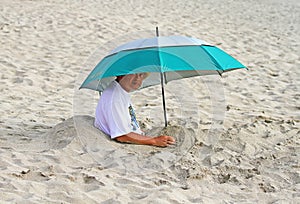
(163, 97)
(162, 89)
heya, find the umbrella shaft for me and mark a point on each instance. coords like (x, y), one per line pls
(163, 97)
(162, 89)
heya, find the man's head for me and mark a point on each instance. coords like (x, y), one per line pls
(132, 82)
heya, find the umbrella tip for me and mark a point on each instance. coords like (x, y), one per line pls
(157, 34)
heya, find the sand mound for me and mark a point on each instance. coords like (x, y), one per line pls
(119, 156)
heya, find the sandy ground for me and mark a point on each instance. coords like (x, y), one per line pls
(237, 136)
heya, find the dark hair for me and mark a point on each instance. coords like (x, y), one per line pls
(118, 79)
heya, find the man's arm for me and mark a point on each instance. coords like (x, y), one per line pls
(160, 141)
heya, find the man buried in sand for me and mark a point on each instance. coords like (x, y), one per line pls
(115, 115)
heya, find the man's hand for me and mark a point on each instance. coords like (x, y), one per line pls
(163, 141)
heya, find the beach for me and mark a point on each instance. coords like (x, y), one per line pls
(237, 135)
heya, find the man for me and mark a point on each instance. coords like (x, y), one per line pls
(115, 115)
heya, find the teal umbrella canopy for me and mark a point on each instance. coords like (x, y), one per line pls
(165, 58)
(174, 56)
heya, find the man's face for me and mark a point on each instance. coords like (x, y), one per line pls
(132, 82)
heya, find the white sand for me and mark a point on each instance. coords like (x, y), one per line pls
(238, 136)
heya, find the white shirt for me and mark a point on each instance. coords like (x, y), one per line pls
(114, 113)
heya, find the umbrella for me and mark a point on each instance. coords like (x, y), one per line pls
(166, 58)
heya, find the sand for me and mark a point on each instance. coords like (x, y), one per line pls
(237, 136)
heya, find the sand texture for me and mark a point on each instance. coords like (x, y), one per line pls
(237, 135)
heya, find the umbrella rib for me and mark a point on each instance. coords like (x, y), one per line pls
(213, 59)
